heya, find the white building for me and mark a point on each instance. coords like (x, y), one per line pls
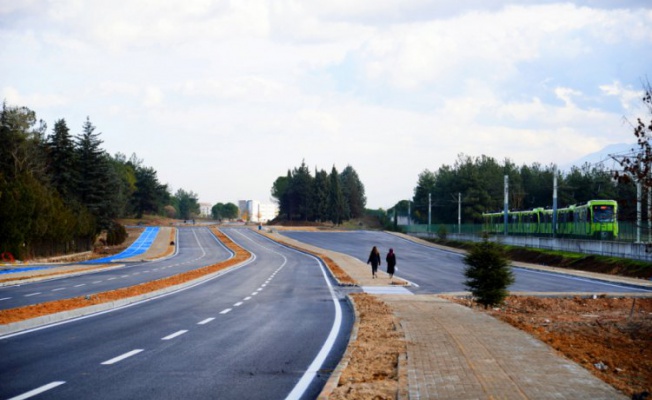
(255, 211)
(205, 210)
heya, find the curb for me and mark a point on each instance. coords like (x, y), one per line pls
(334, 379)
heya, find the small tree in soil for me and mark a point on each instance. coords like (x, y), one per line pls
(487, 274)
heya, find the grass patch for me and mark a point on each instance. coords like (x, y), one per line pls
(563, 259)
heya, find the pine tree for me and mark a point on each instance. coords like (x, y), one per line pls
(488, 273)
(61, 161)
(94, 173)
(336, 198)
(353, 192)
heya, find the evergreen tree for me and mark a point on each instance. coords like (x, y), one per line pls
(150, 195)
(353, 192)
(301, 187)
(320, 196)
(94, 173)
(336, 198)
(61, 161)
(488, 273)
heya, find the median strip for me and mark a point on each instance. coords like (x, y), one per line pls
(52, 307)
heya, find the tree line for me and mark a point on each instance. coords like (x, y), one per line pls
(479, 183)
(334, 197)
(59, 191)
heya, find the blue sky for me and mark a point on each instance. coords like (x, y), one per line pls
(222, 97)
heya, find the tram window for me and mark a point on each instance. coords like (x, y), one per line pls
(604, 213)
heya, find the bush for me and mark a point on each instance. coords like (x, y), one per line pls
(442, 232)
(116, 234)
(488, 273)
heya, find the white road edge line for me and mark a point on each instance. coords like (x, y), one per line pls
(204, 322)
(312, 370)
(122, 357)
(39, 390)
(175, 334)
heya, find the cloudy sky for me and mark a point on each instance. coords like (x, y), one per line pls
(222, 97)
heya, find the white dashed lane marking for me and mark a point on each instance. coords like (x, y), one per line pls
(238, 304)
(57, 289)
(175, 334)
(122, 357)
(39, 390)
(32, 294)
(5, 298)
(204, 322)
(225, 311)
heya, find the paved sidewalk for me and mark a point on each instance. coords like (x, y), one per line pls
(454, 352)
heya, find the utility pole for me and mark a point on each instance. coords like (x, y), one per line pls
(506, 206)
(409, 212)
(554, 202)
(429, 210)
(459, 213)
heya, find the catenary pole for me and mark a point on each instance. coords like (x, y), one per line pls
(506, 205)
(554, 202)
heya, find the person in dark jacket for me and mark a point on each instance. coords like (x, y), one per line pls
(374, 260)
(391, 262)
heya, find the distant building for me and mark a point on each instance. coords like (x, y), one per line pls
(205, 210)
(255, 211)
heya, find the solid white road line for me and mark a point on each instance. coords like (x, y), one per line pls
(39, 390)
(207, 320)
(122, 357)
(225, 311)
(32, 294)
(175, 334)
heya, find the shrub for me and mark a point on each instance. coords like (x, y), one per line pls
(488, 273)
(116, 234)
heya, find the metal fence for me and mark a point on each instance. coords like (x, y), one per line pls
(627, 231)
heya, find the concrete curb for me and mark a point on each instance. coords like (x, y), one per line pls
(334, 379)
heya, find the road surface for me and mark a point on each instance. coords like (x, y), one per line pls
(273, 328)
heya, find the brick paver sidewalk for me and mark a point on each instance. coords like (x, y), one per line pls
(457, 353)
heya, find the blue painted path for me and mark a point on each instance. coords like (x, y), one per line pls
(140, 246)
(16, 270)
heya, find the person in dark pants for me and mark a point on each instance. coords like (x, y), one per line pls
(391, 262)
(374, 260)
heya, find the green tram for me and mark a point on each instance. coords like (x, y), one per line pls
(596, 219)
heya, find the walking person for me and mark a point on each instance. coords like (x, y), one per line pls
(374, 260)
(391, 262)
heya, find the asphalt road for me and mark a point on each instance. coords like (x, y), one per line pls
(271, 329)
(437, 271)
(197, 247)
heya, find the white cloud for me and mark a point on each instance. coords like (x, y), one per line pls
(629, 98)
(390, 87)
(33, 100)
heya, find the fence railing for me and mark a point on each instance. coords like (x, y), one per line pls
(627, 231)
